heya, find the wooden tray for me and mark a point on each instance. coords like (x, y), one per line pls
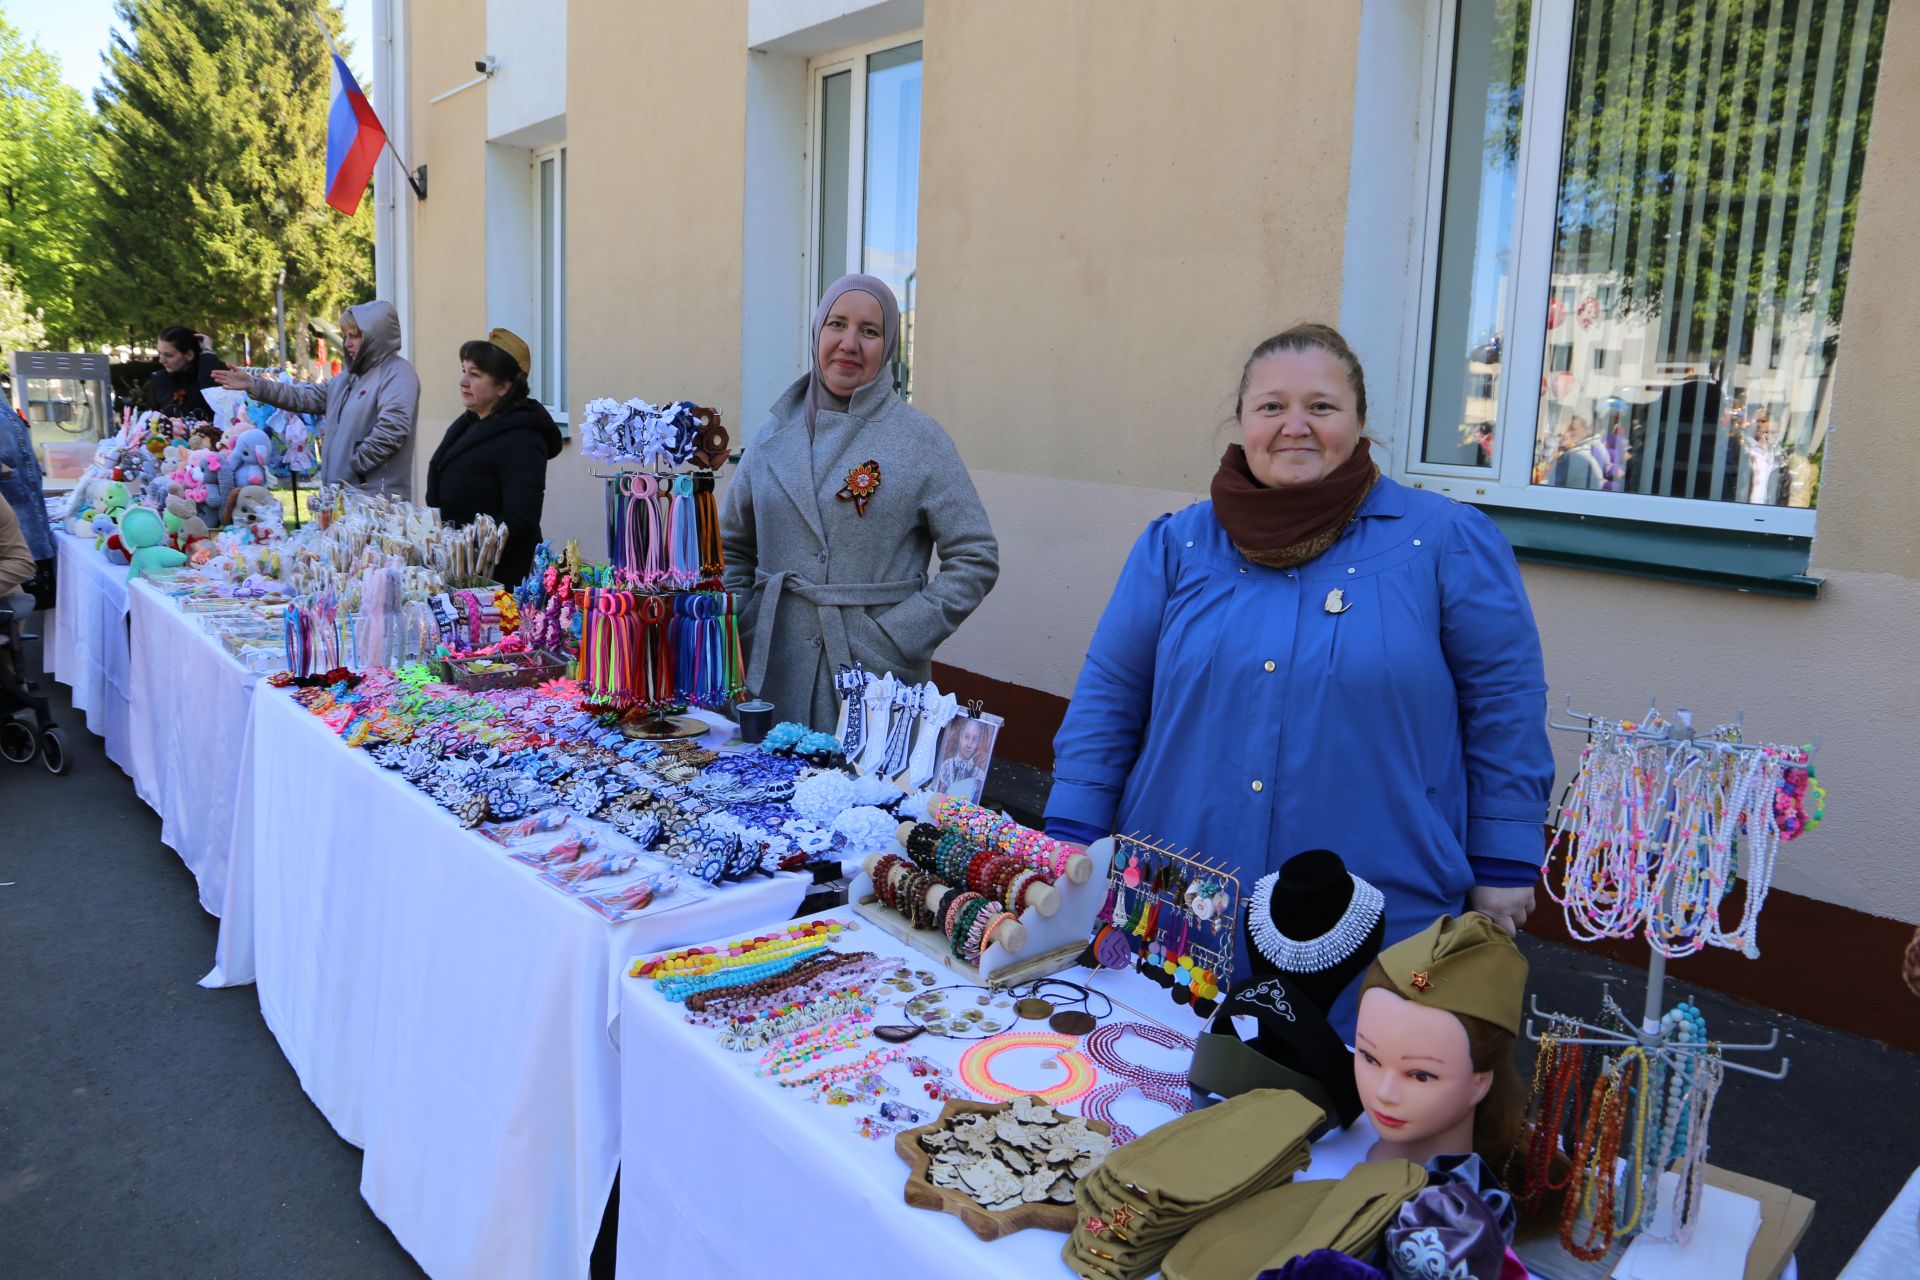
(986, 1224)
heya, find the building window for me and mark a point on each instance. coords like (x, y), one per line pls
(1644, 211)
(866, 177)
(549, 340)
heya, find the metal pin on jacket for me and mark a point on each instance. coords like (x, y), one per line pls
(1337, 601)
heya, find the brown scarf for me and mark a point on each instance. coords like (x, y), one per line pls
(1280, 528)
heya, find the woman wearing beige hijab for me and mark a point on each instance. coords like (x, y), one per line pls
(830, 524)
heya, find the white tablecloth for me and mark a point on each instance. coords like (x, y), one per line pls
(187, 731)
(446, 1011)
(724, 1174)
(1891, 1250)
(88, 650)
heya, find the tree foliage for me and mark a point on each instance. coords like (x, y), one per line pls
(44, 139)
(211, 172)
(1713, 155)
(20, 327)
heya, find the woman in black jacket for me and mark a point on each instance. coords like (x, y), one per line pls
(186, 369)
(493, 459)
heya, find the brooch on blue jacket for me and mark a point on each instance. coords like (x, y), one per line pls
(1337, 601)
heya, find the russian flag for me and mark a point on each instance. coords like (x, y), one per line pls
(354, 139)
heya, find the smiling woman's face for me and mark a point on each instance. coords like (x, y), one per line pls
(852, 343)
(1298, 419)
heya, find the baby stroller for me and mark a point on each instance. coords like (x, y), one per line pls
(27, 730)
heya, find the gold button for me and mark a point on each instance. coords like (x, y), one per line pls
(1258, 785)
(1269, 664)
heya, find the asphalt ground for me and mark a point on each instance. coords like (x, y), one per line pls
(150, 1127)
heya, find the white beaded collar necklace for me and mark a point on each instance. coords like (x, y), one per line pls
(1312, 955)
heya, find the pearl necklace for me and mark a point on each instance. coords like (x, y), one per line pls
(1313, 955)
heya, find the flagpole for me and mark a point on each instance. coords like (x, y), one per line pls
(416, 180)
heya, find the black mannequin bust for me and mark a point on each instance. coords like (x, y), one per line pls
(1314, 890)
(1311, 930)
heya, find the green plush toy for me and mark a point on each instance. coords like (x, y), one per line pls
(111, 501)
(144, 534)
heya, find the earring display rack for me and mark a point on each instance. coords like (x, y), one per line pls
(1050, 943)
(1169, 912)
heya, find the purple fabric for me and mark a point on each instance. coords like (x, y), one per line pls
(1472, 1172)
(1444, 1233)
(1323, 1264)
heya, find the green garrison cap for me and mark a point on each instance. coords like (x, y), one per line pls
(1465, 966)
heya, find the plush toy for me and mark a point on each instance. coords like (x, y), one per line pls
(143, 533)
(252, 452)
(114, 499)
(256, 510)
(106, 537)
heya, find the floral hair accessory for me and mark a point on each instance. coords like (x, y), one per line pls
(861, 484)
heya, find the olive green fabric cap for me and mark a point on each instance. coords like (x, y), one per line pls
(1147, 1194)
(1465, 966)
(1267, 1230)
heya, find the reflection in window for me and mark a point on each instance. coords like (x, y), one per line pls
(1477, 214)
(836, 108)
(892, 223)
(1709, 181)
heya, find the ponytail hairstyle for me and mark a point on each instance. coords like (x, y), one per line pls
(499, 366)
(183, 340)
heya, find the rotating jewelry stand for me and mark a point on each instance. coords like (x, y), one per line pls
(1648, 1035)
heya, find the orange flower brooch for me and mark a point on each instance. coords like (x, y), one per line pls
(860, 485)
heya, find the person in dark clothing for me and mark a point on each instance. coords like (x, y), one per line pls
(493, 459)
(186, 369)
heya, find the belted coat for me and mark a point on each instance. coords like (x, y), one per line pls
(825, 585)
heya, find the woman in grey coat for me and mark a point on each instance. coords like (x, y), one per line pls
(833, 517)
(370, 408)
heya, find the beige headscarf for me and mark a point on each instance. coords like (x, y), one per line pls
(817, 393)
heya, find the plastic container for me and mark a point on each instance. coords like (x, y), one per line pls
(66, 459)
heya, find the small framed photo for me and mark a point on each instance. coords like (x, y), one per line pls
(966, 749)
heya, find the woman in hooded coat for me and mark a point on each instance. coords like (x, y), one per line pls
(370, 407)
(831, 522)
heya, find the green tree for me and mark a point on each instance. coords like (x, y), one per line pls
(212, 168)
(20, 327)
(45, 134)
(1713, 152)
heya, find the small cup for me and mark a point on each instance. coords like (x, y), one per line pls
(756, 720)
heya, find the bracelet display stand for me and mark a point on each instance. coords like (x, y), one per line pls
(1045, 944)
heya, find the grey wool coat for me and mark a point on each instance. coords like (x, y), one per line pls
(370, 408)
(829, 586)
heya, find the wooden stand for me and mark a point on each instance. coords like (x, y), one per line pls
(1044, 944)
(983, 1222)
(1079, 868)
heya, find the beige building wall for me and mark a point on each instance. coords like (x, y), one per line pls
(656, 123)
(1115, 206)
(1846, 666)
(450, 227)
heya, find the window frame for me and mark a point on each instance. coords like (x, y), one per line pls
(1517, 415)
(550, 223)
(852, 58)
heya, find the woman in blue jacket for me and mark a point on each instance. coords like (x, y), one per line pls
(1319, 658)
